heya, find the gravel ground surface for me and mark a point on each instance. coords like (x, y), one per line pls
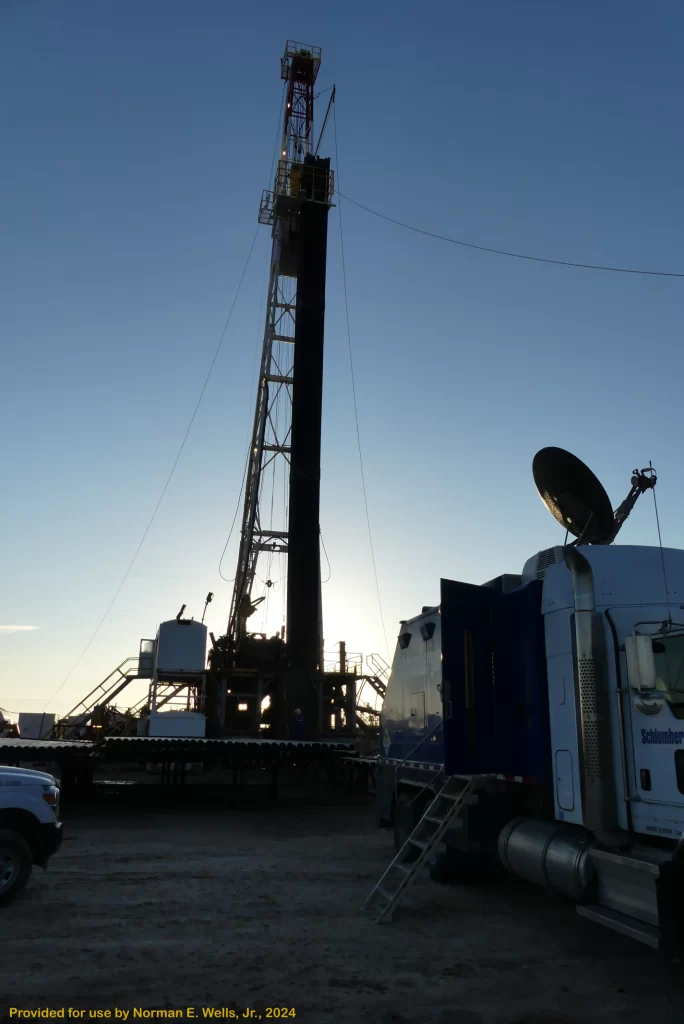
(179, 908)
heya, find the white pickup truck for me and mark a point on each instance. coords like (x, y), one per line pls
(30, 829)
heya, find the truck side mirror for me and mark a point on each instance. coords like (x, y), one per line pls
(640, 663)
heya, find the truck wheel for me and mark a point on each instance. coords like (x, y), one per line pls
(16, 862)
(406, 817)
(454, 866)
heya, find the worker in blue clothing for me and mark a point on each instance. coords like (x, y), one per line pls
(299, 724)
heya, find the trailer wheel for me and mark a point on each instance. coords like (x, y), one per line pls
(407, 813)
(16, 863)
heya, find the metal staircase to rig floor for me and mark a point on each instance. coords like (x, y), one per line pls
(370, 694)
(381, 671)
(429, 833)
(103, 695)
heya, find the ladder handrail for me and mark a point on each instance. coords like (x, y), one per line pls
(379, 665)
(84, 705)
(102, 695)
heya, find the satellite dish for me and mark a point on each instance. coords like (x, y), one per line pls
(574, 496)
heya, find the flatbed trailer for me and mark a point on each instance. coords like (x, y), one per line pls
(273, 765)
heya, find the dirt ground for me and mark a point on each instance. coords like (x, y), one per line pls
(176, 908)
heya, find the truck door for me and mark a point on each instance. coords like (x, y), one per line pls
(467, 677)
(656, 724)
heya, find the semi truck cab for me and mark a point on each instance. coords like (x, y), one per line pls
(565, 686)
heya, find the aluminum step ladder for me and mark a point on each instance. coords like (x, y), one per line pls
(428, 834)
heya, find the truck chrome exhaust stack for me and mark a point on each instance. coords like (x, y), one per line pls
(595, 745)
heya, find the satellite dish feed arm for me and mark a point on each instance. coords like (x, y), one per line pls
(642, 481)
(585, 532)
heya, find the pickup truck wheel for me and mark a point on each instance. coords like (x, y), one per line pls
(16, 862)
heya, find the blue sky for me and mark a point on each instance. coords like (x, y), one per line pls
(136, 141)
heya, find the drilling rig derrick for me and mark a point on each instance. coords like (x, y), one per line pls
(286, 672)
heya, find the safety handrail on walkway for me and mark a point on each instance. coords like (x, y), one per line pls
(104, 693)
(379, 666)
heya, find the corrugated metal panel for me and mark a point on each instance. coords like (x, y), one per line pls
(160, 747)
(16, 743)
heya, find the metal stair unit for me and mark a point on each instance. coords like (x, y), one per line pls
(103, 694)
(368, 714)
(379, 668)
(165, 693)
(428, 834)
(377, 684)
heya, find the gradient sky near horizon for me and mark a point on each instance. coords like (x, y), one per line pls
(137, 138)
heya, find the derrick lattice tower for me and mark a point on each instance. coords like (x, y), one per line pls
(280, 522)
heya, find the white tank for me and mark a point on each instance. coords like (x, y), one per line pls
(181, 646)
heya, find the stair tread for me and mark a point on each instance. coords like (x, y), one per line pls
(469, 800)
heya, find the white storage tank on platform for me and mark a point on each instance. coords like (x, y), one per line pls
(177, 723)
(181, 646)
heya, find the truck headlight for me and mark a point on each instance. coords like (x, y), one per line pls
(51, 796)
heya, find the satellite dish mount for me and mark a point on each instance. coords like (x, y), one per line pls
(576, 498)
